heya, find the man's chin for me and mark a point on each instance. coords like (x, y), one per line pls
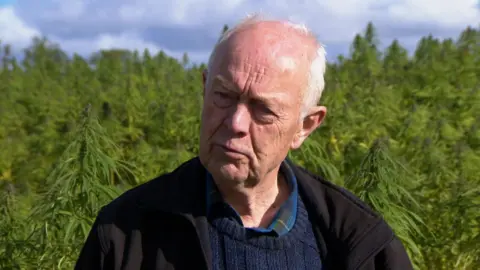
(232, 172)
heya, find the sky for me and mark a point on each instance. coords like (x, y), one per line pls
(193, 26)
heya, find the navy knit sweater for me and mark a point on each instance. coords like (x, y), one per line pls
(236, 248)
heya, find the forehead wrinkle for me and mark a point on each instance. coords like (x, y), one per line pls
(282, 50)
(267, 97)
(273, 39)
(224, 82)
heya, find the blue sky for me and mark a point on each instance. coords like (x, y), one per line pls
(192, 26)
(6, 2)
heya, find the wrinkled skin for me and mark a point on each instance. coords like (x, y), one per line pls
(252, 104)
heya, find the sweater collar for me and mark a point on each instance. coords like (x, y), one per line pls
(283, 220)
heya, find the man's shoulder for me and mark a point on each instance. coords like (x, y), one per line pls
(159, 193)
(339, 210)
(326, 193)
(348, 226)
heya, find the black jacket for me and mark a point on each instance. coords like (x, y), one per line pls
(162, 225)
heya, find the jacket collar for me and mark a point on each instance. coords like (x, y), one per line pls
(181, 193)
(343, 224)
(178, 192)
(182, 190)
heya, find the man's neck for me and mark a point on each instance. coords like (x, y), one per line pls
(258, 205)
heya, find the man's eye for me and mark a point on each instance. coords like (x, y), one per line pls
(263, 113)
(222, 99)
(265, 110)
(222, 95)
(262, 108)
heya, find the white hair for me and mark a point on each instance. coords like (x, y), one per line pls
(316, 80)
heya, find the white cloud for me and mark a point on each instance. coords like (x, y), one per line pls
(16, 32)
(13, 30)
(129, 41)
(444, 13)
(107, 41)
(193, 25)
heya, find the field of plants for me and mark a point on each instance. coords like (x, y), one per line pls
(403, 133)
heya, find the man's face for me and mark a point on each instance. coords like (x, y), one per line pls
(252, 104)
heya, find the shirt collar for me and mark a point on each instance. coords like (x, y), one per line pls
(284, 219)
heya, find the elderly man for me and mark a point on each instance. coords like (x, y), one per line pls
(242, 204)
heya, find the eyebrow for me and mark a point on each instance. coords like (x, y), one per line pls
(264, 98)
(224, 82)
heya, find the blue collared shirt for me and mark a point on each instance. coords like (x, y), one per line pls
(284, 219)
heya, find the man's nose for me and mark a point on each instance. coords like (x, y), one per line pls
(238, 119)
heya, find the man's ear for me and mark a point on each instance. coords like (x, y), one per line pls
(204, 80)
(312, 121)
